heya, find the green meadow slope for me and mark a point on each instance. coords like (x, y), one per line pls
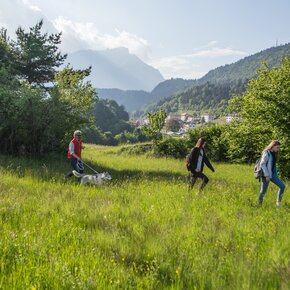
(143, 230)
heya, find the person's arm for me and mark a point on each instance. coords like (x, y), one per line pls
(264, 160)
(207, 163)
(72, 151)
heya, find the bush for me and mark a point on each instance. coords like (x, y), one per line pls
(136, 149)
(265, 111)
(174, 147)
(131, 138)
(216, 144)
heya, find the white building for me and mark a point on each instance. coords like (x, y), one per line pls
(207, 117)
(230, 118)
(140, 121)
(174, 116)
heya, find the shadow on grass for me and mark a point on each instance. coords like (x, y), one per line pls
(55, 167)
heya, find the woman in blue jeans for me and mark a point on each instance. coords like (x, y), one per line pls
(269, 167)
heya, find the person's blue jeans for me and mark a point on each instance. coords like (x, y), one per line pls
(264, 186)
(74, 164)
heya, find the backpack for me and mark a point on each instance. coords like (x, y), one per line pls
(258, 171)
(187, 162)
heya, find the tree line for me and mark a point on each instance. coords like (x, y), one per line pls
(264, 110)
(208, 97)
(42, 101)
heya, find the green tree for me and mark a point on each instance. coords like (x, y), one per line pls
(156, 124)
(111, 117)
(73, 98)
(172, 125)
(74, 89)
(9, 86)
(37, 55)
(265, 109)
(34, 119)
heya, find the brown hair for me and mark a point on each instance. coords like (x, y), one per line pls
(200, 143)
(270, 147)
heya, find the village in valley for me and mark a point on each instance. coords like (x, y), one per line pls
(178, 124)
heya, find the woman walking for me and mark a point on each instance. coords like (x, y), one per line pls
(196, 161)
(268, 164)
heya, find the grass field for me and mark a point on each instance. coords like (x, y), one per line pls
(143, 230)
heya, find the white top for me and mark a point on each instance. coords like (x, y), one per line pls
(71, 148)
(266, 163)
(199, 161)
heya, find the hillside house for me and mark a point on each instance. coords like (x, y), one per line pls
(207, 117)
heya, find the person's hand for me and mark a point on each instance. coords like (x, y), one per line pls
(268, 178)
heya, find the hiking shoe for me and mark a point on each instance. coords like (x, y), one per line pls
(279, 203)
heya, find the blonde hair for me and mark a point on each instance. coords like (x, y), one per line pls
(271, 145)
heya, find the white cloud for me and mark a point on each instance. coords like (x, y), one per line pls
(3, 24)
(217, 52)
(176, 66)
(198, 63)
(31, 6)
(86, 35)
(211, 43)
(15, 13)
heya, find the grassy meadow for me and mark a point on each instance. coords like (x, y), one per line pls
(142, 230)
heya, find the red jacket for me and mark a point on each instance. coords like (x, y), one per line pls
(78, 149)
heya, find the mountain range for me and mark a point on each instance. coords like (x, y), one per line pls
(212, 91)
(123, 77)
(135, 100)
(116, 68)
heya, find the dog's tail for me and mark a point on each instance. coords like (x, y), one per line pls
(76, 174)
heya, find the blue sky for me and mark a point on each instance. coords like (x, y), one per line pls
(181, 38)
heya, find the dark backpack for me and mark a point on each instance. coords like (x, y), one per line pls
(187, 162)
(258, 171)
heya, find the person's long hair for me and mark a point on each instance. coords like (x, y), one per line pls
(199, 143)
(270, 147)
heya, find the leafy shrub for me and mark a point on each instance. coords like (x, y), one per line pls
(136, 149)
(174, 147)
(216, 145)
(265, 111)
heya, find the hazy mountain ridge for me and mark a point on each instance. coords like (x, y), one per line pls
(116, 68)
(131, 99)
(229, 75)
(134, 100)
(212, 91)
(245, 69)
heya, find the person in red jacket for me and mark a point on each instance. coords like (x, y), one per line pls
(75, 153)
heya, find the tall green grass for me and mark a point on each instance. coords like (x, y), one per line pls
(143, 230)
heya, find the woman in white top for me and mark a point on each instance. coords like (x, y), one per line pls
(269, 167)
(196, 160)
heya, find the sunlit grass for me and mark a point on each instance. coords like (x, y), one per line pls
(143, 230)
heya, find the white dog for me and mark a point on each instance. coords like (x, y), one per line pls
(93, 178)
